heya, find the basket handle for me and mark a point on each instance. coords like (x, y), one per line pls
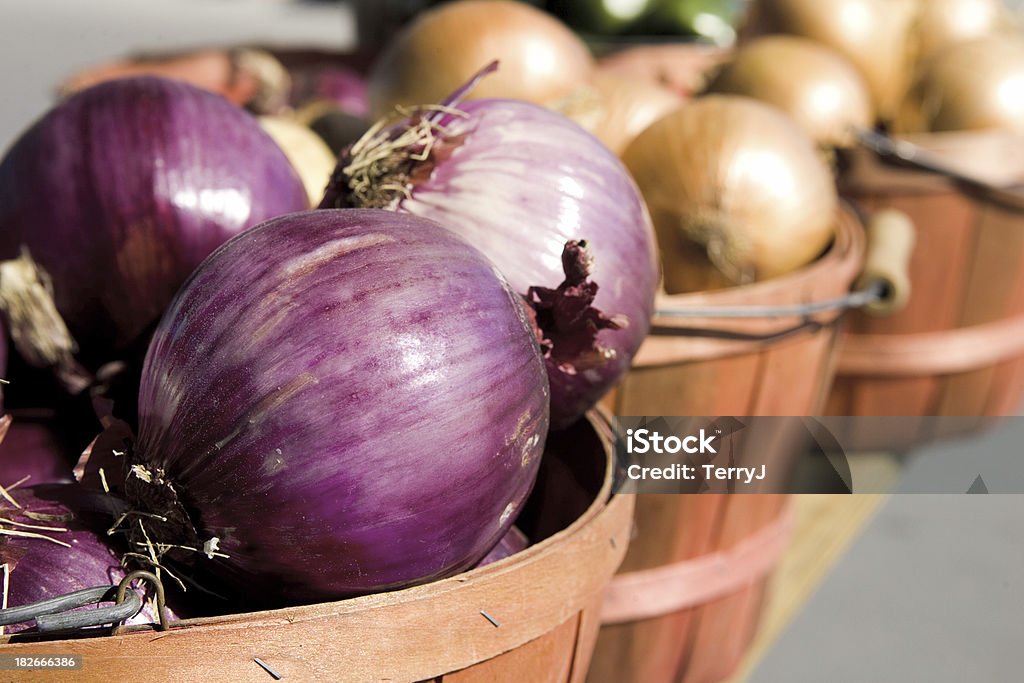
(890, 244)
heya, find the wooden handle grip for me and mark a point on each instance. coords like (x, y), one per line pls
(890, 244)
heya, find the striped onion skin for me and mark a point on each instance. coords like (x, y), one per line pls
(347, 401)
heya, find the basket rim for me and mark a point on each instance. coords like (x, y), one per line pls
(451, 630)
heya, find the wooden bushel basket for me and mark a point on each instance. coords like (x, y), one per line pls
(957, 349)
(530, 617)
(686, 602)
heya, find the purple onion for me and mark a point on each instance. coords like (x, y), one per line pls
(337, 402)
(63, 554)
(122, 189)
(518, 182)
(33, 448)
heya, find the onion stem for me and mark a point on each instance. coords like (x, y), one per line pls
(566, 322)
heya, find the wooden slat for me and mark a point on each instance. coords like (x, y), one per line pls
(939, 265)
(547, 659)
(586, 638)
(718, 643)
(711, 375)
(967, 272)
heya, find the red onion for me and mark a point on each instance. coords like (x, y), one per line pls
(118, 193)
(518, 181)
(337, 402)
(51, 549)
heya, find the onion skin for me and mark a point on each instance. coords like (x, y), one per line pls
(41, 569)
(350, 401)
(739, 177)
(627, 107)
(973, 85)
(518, 182)
(810, 82)
(874, 35)
(309, 155)
(542, 61)
(941, 23)
(122, 189)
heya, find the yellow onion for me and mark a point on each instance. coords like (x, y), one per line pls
(541, 60)
(626, 107)
(943, 22)
(817, 87)
(309, 155)
(874, 35)
(978, 84)
(740, 178)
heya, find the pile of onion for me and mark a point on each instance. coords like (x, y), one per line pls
(336, 403)
(519, 182)
(977, 84)
(111, 199)
(941, 23)
(816, 86)
(736, 180)
(542, 60)
(874, 35)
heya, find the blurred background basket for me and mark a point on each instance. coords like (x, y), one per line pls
(668, 616)
(957, 349)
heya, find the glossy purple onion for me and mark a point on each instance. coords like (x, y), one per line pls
(338, 402)
(122, 189)
(63, 553)
(518, 182)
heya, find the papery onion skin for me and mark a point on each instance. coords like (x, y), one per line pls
(542, 61)
(973, 85)
(519, 181)
(739, 177)
(816, 86)
(122, 189)
(627, 107)
(349, 401)
(41, 569)
(309, 155)
(941, 23)
(874, 35)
